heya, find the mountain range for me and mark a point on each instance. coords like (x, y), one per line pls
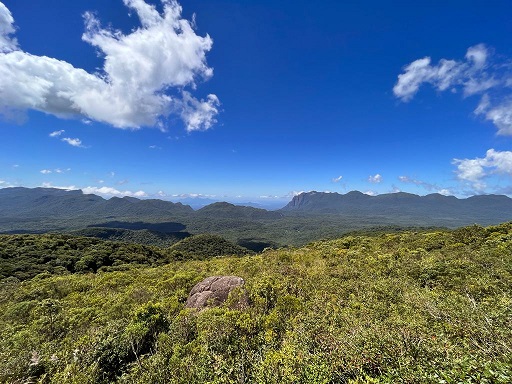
(481, 209)
(308, 216)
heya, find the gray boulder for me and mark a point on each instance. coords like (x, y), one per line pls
(213, 291)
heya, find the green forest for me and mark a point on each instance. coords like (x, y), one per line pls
(404, 307)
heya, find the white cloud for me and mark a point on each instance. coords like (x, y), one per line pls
(7, 43)
(56, 133)
(109, 191)
(375, 179)
(102, 191)
(426, 185)
(475, 170)
(292, 194)
(199, 114)
(337, 179)
(131, 91)
(45, 171)
(500, 115)
(66, 188)
(370, 193)
(73, 142)
(193, 196)
(478, 55)
(445, 192)
(480, 73)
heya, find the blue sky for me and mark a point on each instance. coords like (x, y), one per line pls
(256, 100)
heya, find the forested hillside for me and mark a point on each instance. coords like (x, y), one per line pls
(25, 256)
(411, 307)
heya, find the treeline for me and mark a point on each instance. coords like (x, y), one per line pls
(407, 307)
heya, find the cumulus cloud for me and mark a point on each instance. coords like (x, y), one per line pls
(475, 170)
(337, 179)
(7, 43)
(45, 171)
(141, 83)
(375, 179)
(479, 73)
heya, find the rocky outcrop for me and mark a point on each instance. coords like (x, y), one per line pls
(213, 291)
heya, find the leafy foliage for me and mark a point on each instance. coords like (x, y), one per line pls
(25, 256)
(205, 246)
(410, 307)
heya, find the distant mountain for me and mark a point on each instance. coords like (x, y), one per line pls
(482, 209)
(51, 202)
(230, 211)
(195, 202)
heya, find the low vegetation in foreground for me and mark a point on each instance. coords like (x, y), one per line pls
(409, 307)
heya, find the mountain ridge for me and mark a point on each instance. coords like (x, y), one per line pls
(480, 207)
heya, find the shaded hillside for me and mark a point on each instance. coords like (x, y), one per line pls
(141, 236)
(204, 247)
(395, 308)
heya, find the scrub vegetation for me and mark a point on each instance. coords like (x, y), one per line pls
(409, 307)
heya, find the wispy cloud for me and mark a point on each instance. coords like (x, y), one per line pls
(337, 179)
(141, 70)
(193, 196)
(479, 73)
(73, 142)
(56, 170)
(375, 178)
(425, 185)
(56, 133)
